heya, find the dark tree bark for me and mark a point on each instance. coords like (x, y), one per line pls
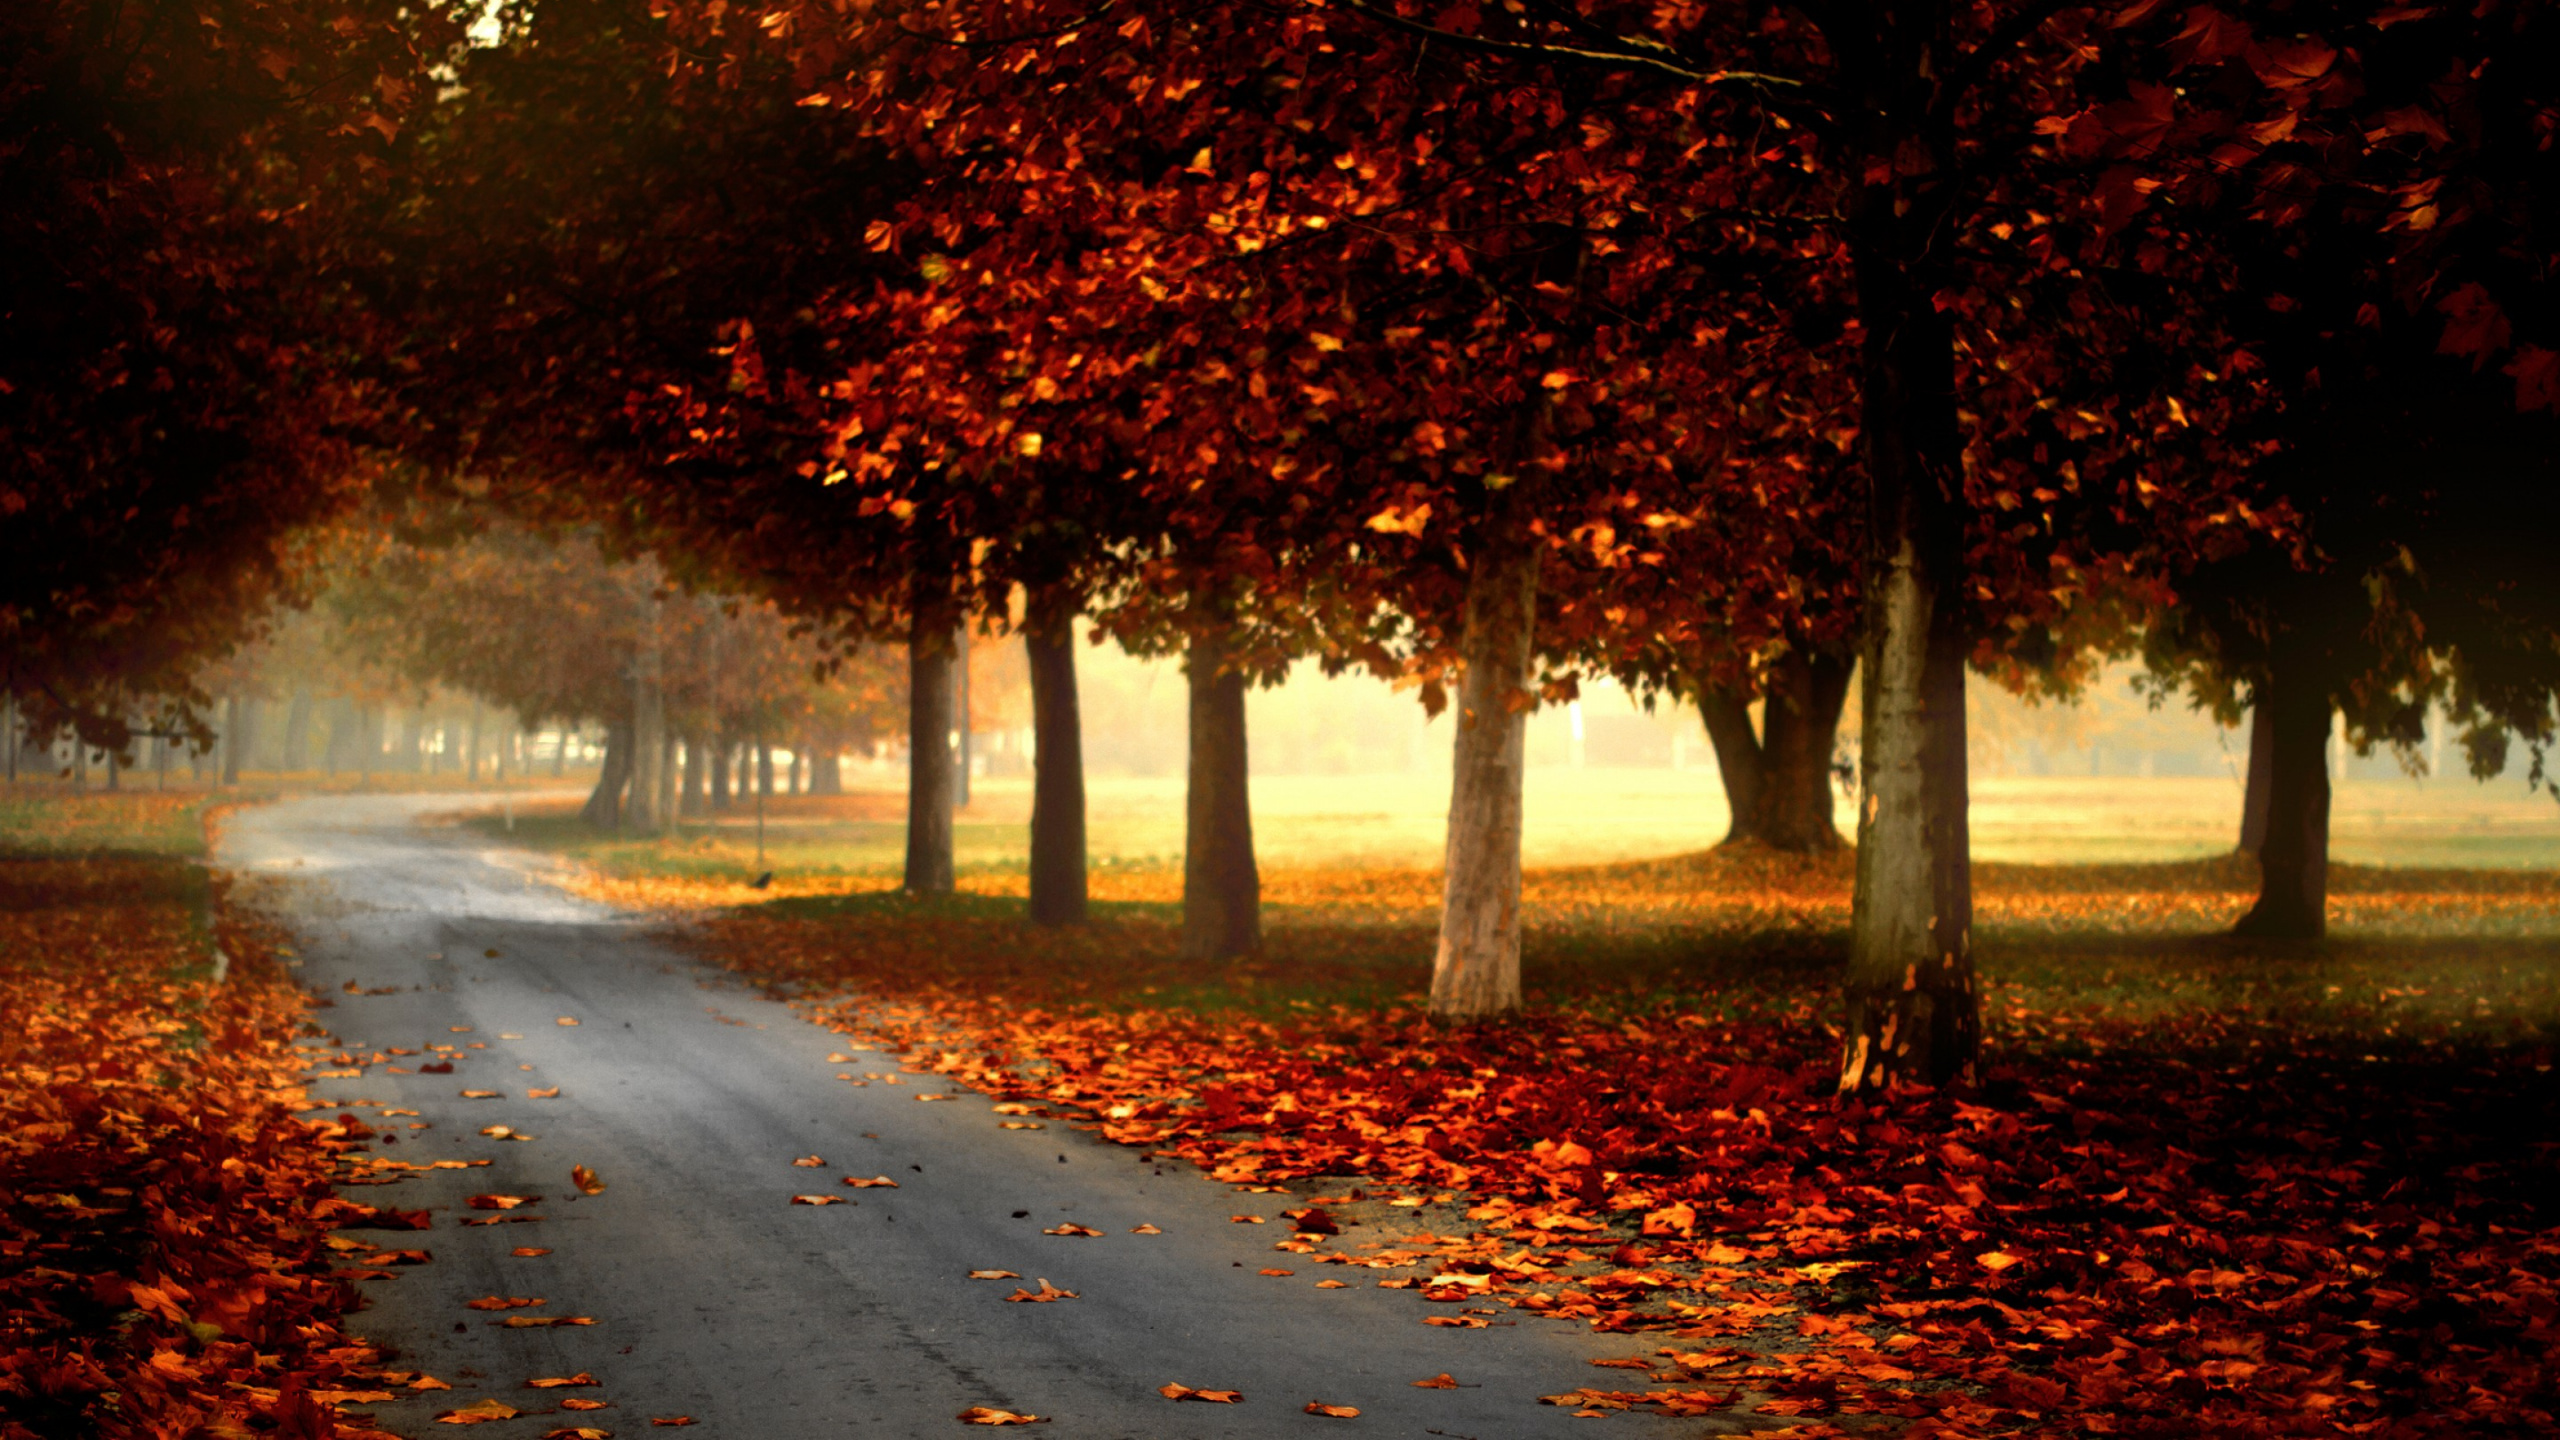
(2254, 792)
(1800, 722)
(826, 773)
(697, 776)
(1913, 1013)
(2293, 860)
(1777, 781)
(1221, 885)
(1057, 784)
(929, 768)
(723, 788)
(764, 769)
(1476, 972)
(1728, 717)
(604, 804)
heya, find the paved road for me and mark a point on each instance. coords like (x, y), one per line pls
(715, 1297)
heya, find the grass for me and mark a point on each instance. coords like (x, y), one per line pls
(2073, 956)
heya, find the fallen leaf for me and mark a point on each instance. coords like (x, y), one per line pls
(577, 1432)
(1070, 1228)
(580, 1402)
(479, 1094)
(1456, 1322)
(839, 1058)
(876, 1182)
(989, 1415)
(505, 1302)
(1995, 1260)
(586, 1180)
(1279, 1272)
(1244, 1220)
(1146, 1230)
(1442, 1381)
(572, 1020)
(663, 1419)
(809, 1162)
(1046, 1293)
(819, 1200)
(1016, 1107)
(479, 1412)
(995, 1275)
(541, 1322)
(1333, 1285)
(500, 1202)
(551, 1094)
(530, 1250)
(1213, 1397)
(937, 1097)
(497, 1132)
(1021, 1125)
(428, 1382)
(555, 1382)
(1338, 1412)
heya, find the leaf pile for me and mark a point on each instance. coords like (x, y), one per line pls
(2309, 1213)
(160, 1209)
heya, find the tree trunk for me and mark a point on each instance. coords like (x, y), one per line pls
(1800, 721)
(1913, 1014)
(560, 753)
(668, 795)
(2255, 790)
(929, 769)
(604, 804)
(648, 734)
(1221, 886)
(2293, 859)
(826, 773)
(798, 783)
(764, 769)
(1477, 970)
(963, 719)
(297, 729)
(1057, 782)
(697, 776)
(1728, 719)
(471, 746)
(723, 784)
(235, 736)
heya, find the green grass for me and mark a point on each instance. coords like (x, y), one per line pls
(42, 818)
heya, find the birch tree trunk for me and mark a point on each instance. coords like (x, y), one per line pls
(1477, 970)
(1057, 782)
(929, 769)
(1221, 885)
(1913, 1014)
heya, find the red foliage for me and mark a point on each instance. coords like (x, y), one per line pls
(2196, 1228)
(160, 1210)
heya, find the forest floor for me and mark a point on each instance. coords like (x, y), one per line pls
(162, 1270)
(2201, 1187)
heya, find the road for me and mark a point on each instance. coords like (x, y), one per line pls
(712, 1295)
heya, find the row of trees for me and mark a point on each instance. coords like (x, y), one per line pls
(1709, 347)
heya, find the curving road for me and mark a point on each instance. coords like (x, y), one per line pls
(711, 1294)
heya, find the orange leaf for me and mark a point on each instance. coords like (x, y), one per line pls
(577, 1432)
(1185, 1392)
(1070, 1228)
(876, 1182)
(989, 1415)
(551, 1094)
(579, 1402)
(529, 1250)
(1442, 1381)
(479, 1412)
(539, 1322)
(555, 1382)
(1146, 1230)
(995, 1275)
(505, 1302)
(809, 1162)
(479, 1094)
(664, 1419)
(819, 1200)
(499, 1202)
(1338, 1412)
(572, 1020)
(1279, 1272)
(1046, 1293)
